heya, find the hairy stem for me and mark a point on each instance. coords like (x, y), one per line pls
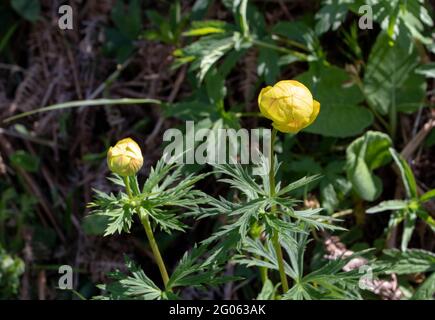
(149, 232)
(275, 236)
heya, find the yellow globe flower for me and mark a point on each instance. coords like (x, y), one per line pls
(289, 104)
(125, 158)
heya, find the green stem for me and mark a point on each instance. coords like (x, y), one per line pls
(147, 226)
(275, 236)
(149, 232)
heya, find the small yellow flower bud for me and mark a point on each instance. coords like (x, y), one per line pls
(289, 104)
(125, 158)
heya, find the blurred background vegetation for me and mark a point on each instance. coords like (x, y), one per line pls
(206, 61)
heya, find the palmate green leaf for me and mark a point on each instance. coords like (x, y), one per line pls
(327, 282)
(312, 219)
(244, 215)
(157, 174)
(135, 286)
(164, 193)
(285, 228)
(340, 115)
(408, 262)
(389, 205)
(240, 179)
(262, 255)
(118, 214)
(166, 219)
(364, 155)
(120, 219)
(408, 178)
(193, 271)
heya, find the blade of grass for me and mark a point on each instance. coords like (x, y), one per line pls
(80, 103)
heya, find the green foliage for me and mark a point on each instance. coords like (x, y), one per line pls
(166, 29)
(133, 286)
(24, 160)
(195, 271)
(390, 83)
(28, 9)
(364, 155)
(409, 209)
(426, 291)
(11, 269)
(128, 24)
(338, 102)
(163, 193)
(362, 79)
(408, 262)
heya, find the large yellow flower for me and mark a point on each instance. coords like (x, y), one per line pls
(125, 158)
(289, 104)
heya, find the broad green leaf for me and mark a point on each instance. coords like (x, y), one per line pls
(364, 155)
(411, 95)
(388, 69)
(267, 65)
(331, 15)
(215, 86)
(297, 31)
(389, 205)
(408, 178)
(340, 115)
